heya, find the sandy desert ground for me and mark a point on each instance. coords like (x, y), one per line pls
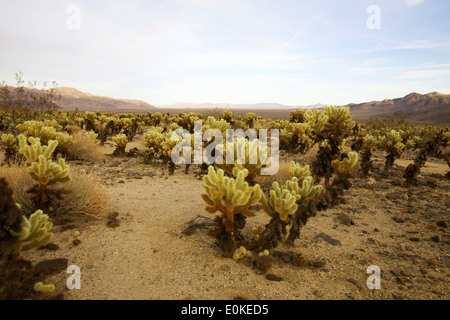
(147, 256)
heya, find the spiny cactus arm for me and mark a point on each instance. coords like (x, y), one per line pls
(297, 171)
(35, 232)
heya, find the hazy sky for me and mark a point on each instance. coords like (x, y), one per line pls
(236, 51)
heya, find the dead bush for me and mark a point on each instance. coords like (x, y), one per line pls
(87, 197)
(85, 149)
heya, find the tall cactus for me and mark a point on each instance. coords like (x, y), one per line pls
(233, 198)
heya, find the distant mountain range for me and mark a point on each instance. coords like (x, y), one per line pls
(262, 105)
(72, 99)
(431, 108)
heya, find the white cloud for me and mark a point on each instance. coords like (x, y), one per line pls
(412, 3)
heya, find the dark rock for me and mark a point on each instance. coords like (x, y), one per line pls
(345, 220)
(52, 265)
(398, 219)
(435, 239)
(328, 239)
(442, 224)
(49, 246)
(273, 277)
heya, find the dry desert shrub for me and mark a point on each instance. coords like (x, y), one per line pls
(87, 197)
(85, 149)
(281, 177)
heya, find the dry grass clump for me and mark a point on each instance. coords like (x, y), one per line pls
(85, 149)
(87, 196)
(281, 177)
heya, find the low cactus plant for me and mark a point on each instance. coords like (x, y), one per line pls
(233, 198)
(44, 171)
(35, 232)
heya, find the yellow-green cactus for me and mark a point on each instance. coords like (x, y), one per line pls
(44, 171)
(233, 198)
(329, 127)
(91, 135)
(10, 146)
(391, 142)
(44, 288)
(65, 141)
(344, 168)
(299, 172)
(153, 140)
(246, 155)
(121, 142)
(9, 141)
(213, 123)
(240, 253)
(281, 202)
(368, 146)
(35, 232)
(306, 190)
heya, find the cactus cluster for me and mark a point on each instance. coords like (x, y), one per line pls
(233, 198)
(44, 171)
(243, 154)
(392, 144)
(329, 129)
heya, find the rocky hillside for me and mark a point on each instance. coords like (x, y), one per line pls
(72, 99)
(431, 108)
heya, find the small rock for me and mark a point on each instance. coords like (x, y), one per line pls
(52, 265)
(430, 227)
(318, 293)
(328, 239)
(272, 277)
(435, 238)
(345, 220)
(394, 196)
(442, 224)
(398, 219)
(89, 266)
(49, 246)
(414, 239)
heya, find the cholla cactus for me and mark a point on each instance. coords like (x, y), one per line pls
(297, 171)
(281, 202)
(213, 123)
(10, 146)
(344, 169)
(233, 198)
(250, 119)
(152, 141)
(35, 232)
(329, 128)
(392, 144)
(369, 144)
(246, 155)
(433, 147)
(44, 171)
(228, 116)
(297, 116)
(65, 141)
(91, 135)
(283, 206)
(121, 142)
